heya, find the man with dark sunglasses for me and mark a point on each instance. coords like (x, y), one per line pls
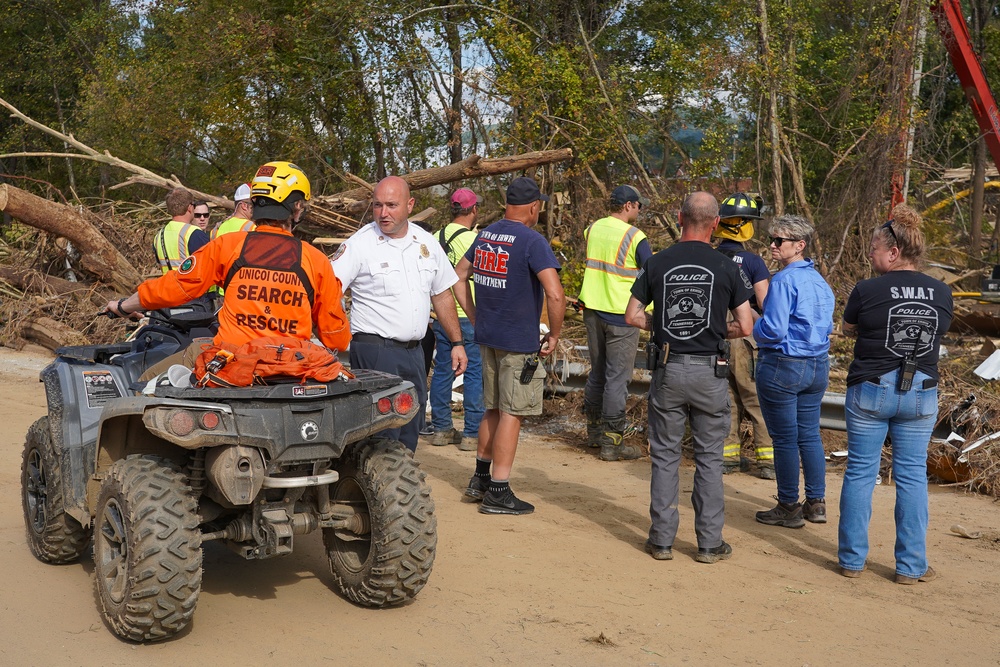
(201, 215)
(179, 238)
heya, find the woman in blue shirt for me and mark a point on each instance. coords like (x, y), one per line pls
(793, 336)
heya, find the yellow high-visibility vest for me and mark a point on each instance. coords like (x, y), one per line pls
(171, 244)
(233, 225)
(611, 266)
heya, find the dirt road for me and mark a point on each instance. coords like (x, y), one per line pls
(568, 585)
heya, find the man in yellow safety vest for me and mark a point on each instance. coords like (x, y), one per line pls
(241, 220)
(179, 237)
(616, 250)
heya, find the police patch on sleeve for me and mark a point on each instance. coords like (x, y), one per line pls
(340, 251)
(187, 265)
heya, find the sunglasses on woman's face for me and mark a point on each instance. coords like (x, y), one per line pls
(778, 241)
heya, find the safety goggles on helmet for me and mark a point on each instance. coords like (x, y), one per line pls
(275, 189)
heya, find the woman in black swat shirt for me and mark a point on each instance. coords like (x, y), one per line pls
(898, 319)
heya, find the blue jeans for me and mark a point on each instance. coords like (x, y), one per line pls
(443, 377)
(872, 410)
(790, 390)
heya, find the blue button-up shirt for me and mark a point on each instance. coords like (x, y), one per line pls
(798, 313)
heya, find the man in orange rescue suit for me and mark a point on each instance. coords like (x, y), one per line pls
(275, 284)
(616, 250)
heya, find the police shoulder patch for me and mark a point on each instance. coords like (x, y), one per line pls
(187, 265)
(340, 251)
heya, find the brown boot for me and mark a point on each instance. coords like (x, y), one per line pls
(612, 448)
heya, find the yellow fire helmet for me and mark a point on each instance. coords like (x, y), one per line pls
(737, 211)
(275, 189)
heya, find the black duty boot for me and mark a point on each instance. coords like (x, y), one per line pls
(595, 426)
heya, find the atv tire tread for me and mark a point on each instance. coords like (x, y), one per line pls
(63, 539)
(162, 556)
(403, 526)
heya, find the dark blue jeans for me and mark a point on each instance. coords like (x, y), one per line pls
(444, 377)
(790, 390)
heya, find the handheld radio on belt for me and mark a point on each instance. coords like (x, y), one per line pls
(722, 360)
(907, 369)
(530, 366)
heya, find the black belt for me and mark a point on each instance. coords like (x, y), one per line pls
(375, 338)
(693, 359)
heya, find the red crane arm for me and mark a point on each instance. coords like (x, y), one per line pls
(951, 25)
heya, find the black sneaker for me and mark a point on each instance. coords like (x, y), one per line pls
(814, 510)
(477, 487)
(658, 552)
(505, 503)
(789, 516)
(721, 552)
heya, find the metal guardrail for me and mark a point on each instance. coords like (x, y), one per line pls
(566, 375)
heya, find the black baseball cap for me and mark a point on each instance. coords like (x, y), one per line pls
(524, 190)
(626, 193)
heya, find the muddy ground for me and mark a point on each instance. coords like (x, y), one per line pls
(568, 585)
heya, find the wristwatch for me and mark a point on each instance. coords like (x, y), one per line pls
(458, 342)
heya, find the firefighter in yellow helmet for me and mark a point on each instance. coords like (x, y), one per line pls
(737, 213)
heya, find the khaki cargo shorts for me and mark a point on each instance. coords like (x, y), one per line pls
(502, 388)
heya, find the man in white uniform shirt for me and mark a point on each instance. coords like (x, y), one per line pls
(395, 271)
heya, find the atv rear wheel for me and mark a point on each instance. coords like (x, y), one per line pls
(53, 536)
(390, 564)
(147, 549)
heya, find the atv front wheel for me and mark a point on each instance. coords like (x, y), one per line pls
(147, 549)
(53, 536)
(391, 563)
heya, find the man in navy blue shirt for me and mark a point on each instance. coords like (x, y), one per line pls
(512, 266)
(737, 213)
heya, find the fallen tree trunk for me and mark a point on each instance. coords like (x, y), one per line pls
(471, 167)
(26, 279)
(51, 334)
(97, 255)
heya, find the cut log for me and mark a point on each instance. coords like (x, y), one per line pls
(97, 255)
(52, 334)
(26, 279)
(471, 167)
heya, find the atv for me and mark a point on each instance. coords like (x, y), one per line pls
(153, 476)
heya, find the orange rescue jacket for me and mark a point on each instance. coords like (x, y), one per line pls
(275, 285)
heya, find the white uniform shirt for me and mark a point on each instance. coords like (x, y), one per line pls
(392, 280)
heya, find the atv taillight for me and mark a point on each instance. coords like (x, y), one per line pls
(403, 402)
(209, 420)
(384, 406)
(181, 422)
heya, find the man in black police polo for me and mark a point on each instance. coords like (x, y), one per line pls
(692, 288)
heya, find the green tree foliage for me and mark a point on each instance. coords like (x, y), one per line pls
(209, 89)
(48, 49)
